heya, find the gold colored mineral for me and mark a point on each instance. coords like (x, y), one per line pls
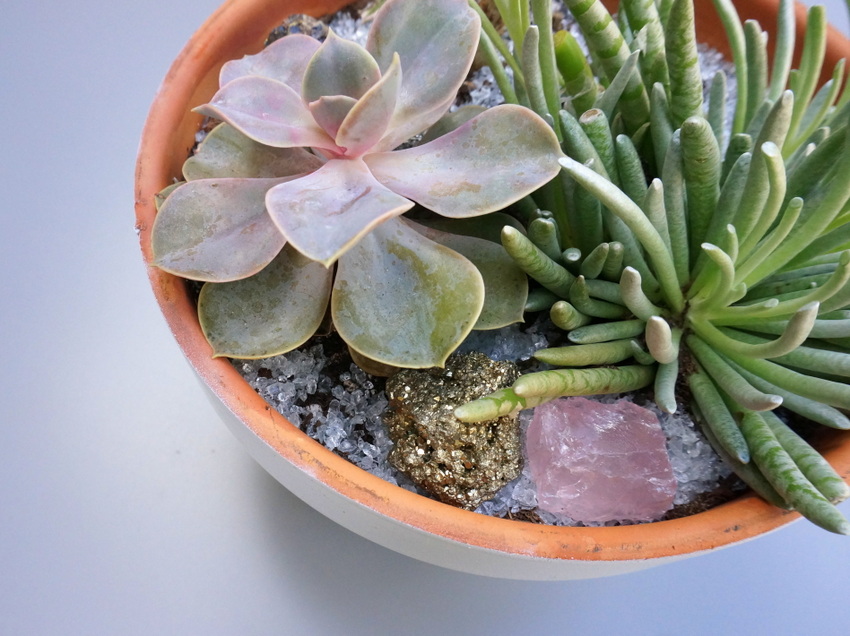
(461, 464)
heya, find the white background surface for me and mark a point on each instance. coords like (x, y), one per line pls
(126, 507)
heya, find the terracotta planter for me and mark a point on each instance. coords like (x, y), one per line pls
(386, 514)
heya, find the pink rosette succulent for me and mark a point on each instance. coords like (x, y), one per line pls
(303, 175)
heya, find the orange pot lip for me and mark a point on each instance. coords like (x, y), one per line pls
(236, 28)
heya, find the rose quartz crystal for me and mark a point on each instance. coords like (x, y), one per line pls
(599, 462)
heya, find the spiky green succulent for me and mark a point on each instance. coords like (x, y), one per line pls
(679, 251)
(295, 202)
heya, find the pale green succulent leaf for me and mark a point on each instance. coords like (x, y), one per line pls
(451, 121)
(269, 313)
(163, 194)
(216, 230)
(367, 121)
(484, 165)
(505, 284)
(436, 41)
(487, 227)
(225, 152)
(267, 111)
(284, 60)
(401, 299)
(330, 111)
(339, 67)
(324, 213)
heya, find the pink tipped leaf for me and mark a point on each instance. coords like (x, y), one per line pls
(436, 41)
(484, 165)
(339, 67)
(267, 111)
(284, 60)
(329, 112)
(324, 213)
(367, 121)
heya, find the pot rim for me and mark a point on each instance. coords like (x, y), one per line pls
(239, 27)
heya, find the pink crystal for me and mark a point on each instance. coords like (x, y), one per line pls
(599, 462)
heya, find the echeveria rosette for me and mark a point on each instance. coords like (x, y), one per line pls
(340, 203)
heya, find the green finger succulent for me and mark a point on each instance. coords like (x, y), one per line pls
(295, 202)
(731, 280)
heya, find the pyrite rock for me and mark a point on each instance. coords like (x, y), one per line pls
(461, 464)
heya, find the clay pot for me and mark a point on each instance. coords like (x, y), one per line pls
(393, 517)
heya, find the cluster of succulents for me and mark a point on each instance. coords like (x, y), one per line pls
(678, 251)
(295, 201)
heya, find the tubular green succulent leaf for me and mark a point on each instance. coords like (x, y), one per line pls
(586, 354)
(718, 417)
(783, 473)
(805, 81)
(795, 334)
(596, 126)
(701, 168)
(544, 234)
(737, 43)
(683, 63)
(643, 16)
(661, 126)
(287, 299)
(810, 409)
(718, 94)
(607, 331)
(625, 209)
(835, 394)
(630, 169)
(665, 386)
(749, 472)
(534, 84)
(581, 299)
(534, 262)
(591, 266)
(403, 300)
(757, 74)
(608, 100)
(567, 317)
(662, 340)
(729, 380)
(497, 404)
(608, 46)
(542, 13)
(574, 68)
(634, 297)
(815, 468)
(672, 176)
(784, 51)
(491, 55)
(573, 382)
